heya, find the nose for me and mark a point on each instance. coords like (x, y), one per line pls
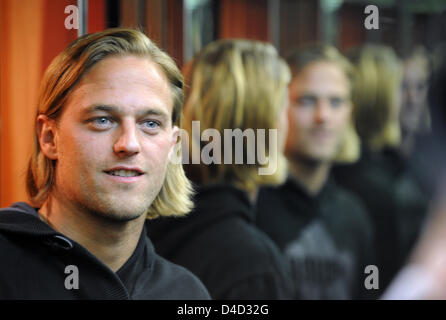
(127, 143)
(411, 94)
(322, 111)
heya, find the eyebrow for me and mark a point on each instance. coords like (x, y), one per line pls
(116, 110)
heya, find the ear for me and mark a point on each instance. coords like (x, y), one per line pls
(174, 140)
(46, 131)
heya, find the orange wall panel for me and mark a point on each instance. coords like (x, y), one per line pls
(244, 19)
(96, 15)
(55, 37)
(21, 30)
(32, 33)
(351, 31)
(174, 38)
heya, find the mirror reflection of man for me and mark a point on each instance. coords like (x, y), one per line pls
(106, 127)
(414, 112)
(323, 229)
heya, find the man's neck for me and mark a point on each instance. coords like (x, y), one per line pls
(407, 142)
(311, 175)
(111, 242)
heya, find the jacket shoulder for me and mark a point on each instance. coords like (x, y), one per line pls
(169, 281)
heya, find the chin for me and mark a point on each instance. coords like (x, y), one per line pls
(122, 216)
(322, 155)
(120, 211)
(317, 158)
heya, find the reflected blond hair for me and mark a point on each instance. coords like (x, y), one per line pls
(377, 80)
(60, 79)
(237, 84)
(349, 149)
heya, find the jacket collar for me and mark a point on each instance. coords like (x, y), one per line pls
(319, 197)
(224, 199)
(24, 219)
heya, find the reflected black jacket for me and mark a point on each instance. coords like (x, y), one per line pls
(219, 242)
(34, 260)
(396, 203)
(327, 237)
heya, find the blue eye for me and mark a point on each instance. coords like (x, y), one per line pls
(151, 124)
(307, 101)
(101, 123)
(336, 102)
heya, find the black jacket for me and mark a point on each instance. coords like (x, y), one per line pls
(327, 238)
(219, 242)
(396, 203)
(34, 259)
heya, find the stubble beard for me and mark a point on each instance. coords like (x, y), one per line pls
(308, 161)
(112, 209)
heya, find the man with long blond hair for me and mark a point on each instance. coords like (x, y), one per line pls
(107, 123)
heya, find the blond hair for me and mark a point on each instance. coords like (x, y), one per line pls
(349, 150)
(237, 84)
(59, 81)
(377, 80)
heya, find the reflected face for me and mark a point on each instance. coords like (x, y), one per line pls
(114, 139)
(413, 93)
(319, 112)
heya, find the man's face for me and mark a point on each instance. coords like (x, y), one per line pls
(319, 112)
(413, 93)
(114, 137)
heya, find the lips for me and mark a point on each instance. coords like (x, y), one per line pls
(322, 134)
(125, 172)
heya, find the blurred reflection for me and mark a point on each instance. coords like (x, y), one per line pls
(414, 113)
(322, 228)
(424, 276)
(380, 178)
